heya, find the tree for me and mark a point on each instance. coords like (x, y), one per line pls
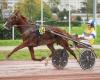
(78, 20)
(54, 5)
(32, 9)
(55, 10)
(62, 14)
(4, 4)
(90, 6)
(87, 7)
(1, 17)
(98, 7)
(47, 12)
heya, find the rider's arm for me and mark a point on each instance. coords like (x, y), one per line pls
(88, 37)
(93, 34)
(81, 35)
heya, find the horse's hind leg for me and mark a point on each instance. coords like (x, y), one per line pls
(32, 54)
(16, 49)
(66, 46)
(51, 47)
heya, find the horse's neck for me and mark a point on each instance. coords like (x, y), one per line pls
(23, 26)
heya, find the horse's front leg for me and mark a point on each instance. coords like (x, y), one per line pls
(32, 54)
(51, 47)
(65, 44)
(16, 49)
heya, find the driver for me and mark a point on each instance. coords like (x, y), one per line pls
(89, 34)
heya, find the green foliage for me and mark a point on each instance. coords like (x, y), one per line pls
(1, 17)
(63, 23)
(98, 35)
(25, 55)
(77, 21)
(62, 14)
(98, 7)
(78, 30)
(7, 34)
(10, 42)
(54, 9)
(56, 23)
(87, 6)
(4, 34)
(47, 12)
(78, 18)
(54, 3)
(32, 9)
(90, 6)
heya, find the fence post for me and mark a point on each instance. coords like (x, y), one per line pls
(41, 12)
(69, 19)
(94, 12)
(13, 33)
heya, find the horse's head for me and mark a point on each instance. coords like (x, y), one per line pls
(14, 19)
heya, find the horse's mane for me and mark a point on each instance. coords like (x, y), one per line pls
(24, 18)
(16, 12)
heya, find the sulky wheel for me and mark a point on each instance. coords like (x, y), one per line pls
(60, 58)
(87, 59)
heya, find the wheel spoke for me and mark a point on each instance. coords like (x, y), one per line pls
(87, 59)
(60, 59)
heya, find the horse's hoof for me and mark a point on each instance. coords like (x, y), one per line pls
(47, 60)
(7, 58)
(46, 64)
(34, 59)
(43, 58)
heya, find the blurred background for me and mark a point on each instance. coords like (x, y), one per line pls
(69, 15)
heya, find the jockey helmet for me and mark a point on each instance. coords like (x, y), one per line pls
(91, 23)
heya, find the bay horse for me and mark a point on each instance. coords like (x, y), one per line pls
(31, 39)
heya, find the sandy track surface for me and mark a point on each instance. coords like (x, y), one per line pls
(29, 70)
(39, 47)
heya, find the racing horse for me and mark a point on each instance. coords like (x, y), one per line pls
(31, 39)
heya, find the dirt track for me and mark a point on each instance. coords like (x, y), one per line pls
(29, 70)
(39, 47)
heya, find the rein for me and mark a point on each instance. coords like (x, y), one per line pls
(34, 26)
